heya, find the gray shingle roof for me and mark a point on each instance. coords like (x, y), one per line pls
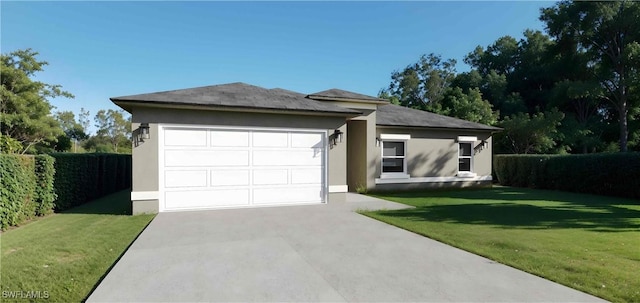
(395, 115)
(236, 95)
(335, 93)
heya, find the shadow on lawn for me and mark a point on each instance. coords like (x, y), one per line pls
(524, 216)
(118, 203)
(596, 213)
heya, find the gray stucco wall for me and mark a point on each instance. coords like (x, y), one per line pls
(356, 154)
(434, 153)
(145, 155)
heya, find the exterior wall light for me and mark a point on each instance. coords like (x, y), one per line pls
(378, 142)
(337, 136)
(144, 131)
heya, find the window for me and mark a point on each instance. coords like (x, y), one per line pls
(393, 156)
(465, 154)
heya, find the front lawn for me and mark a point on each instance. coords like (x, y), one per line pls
(590, 243)
(62, 257)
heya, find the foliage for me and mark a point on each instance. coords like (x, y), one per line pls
(607, 35)
(113, 127)
(426, 85)
(614, 174)
(18, 184)
(83, 177)
(586, 66)
(586, 242)
(73, 131)
(44, 191)
(422, 85)
(524, 133)
(25, 110)
(26, 188)
(468, 106)
(9, 145)
(68, 254)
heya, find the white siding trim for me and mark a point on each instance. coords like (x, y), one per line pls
(467, 139)
(144, 195)
(338, 188)
(433, 179)
(394, 137)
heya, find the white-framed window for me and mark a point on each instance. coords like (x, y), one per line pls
(394, 156)
(465, 156)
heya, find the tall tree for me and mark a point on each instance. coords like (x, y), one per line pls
(26, 112)
(525, 134)
(113, 126)
(422, 85)
(72, 129)
(607, 33)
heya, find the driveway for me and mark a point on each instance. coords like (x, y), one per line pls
(309, 253)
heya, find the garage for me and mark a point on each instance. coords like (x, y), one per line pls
(217, 167)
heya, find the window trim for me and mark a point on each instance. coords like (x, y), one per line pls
(394, 138)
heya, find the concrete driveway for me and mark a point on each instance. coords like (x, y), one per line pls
(309, 253)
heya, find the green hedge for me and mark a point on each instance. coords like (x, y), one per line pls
(615, 174)
(83, 177)
(26, 188)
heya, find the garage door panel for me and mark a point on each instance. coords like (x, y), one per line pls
(286, 157)
(271, 177)
(289, 195)
(185, 178)
(270, 139)
(199, 158)
(306, 176)
(230, 177)
(229, 138)
(181, 137)
(206, 198)
(305, 140)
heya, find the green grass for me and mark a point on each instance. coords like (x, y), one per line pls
(64, 256)
(590, 243)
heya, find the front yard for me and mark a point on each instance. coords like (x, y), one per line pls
(61, 258)
(590, 243)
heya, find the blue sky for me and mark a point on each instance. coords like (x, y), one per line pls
(98, 50)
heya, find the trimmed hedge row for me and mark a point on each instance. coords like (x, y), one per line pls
(83, 177)
(26, 188)
(616, 174)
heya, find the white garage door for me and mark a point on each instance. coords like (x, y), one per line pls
(220, 168)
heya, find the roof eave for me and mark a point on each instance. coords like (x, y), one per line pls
(128, 105)
(492, 129)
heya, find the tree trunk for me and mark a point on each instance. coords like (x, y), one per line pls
(624, 129)
(623, 110)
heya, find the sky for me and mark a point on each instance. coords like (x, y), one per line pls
(98, 50)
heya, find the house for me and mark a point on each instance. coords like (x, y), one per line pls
(239, 145)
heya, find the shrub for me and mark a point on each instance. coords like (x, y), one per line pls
(19, 193)
(614, 174)
(45, 192)
(83, 177)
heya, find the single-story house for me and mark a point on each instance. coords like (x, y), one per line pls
(238, 145)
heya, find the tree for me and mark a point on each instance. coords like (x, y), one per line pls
(607, 33)
(468, 105)
(114, 127)
(26, 112)
(524, 133)
(422, 85)
(72, 129)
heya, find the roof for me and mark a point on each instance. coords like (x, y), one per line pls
(338, 94)
(235, 95)
(395, 115)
